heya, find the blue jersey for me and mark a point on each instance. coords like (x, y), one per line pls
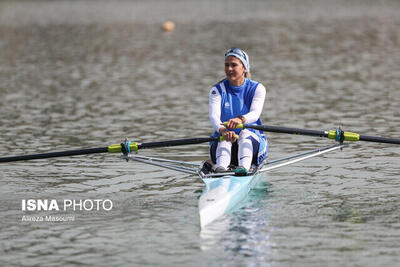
(236, 100)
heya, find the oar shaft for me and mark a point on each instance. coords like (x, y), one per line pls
(288, 130)
(378, 139)
(347, 136)
(116, 148)
(189, 141)
(56, 154)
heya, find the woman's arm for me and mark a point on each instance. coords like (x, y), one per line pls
(256, 105)
(214, 109)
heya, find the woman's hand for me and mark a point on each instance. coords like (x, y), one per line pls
(229, 136)
(234, 123)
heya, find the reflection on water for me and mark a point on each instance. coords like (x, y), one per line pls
(244, 233)
(78, 74)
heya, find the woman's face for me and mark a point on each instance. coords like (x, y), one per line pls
(234, 70)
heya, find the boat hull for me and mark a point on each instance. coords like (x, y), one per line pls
(223, 194)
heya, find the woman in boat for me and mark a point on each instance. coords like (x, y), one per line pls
(236, 100)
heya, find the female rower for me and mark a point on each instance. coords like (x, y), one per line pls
(236, 100)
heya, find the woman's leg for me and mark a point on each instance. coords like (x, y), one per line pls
(247, 140)
(223, 154)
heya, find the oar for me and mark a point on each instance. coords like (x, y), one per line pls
(338, 134)
(117, 148)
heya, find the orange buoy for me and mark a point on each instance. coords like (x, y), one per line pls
(168, 26)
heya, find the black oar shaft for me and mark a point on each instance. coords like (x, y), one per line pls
(56, 154)
(190, 141)
(348, 136)
(277, 129)
(378, 139)
(110, 149)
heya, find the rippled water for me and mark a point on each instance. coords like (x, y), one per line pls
(78, 74)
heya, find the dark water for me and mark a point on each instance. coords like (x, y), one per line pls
(77, 74)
